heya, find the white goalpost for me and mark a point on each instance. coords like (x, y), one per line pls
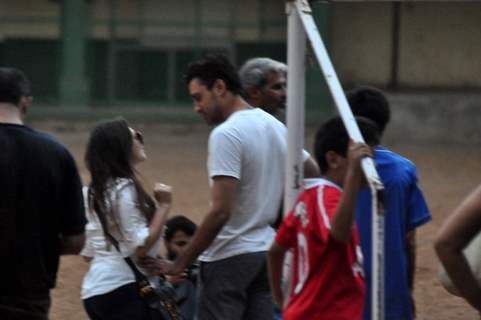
(300, 25)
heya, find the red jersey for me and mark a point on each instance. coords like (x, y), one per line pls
(327, 275)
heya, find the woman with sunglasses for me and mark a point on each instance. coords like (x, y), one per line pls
(124, 221)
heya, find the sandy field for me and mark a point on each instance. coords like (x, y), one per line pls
(177, 157)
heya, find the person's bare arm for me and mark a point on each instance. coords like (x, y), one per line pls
(455, 234)
(223, 192)
(311, 168)
(344, 216)
(275, 262)
(71, 244)
(163, 197)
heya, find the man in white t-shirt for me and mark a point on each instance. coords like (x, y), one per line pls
(246, 160)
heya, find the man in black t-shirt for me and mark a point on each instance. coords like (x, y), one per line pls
(41, 206)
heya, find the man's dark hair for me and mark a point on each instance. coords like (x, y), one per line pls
(370, 103)
(13, 85)
(211, 68)
(177, 223)
(332, 136)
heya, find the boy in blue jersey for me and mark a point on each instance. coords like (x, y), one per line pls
(405, 210)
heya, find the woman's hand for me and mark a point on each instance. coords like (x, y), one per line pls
(163, 197)
(163, 194)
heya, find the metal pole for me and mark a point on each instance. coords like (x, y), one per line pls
(337, 92)
(74, 89)
(304, 11)
(112, 54)
(296, 52)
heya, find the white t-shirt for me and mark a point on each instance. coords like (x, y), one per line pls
(251, 146)
(108, 269)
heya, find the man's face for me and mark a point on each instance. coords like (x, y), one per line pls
(206, 103)
(177, 244)
(273, 93)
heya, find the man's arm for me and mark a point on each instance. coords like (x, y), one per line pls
(223, 192)
(275, 262)
(71, 244)
(311, 169)
(455, 234)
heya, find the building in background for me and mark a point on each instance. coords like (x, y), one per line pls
(114, 51)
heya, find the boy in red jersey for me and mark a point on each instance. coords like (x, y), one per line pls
(327, 271)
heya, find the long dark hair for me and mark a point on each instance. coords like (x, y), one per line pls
(108, 156)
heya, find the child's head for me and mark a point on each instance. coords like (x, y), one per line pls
(178, 233)
(332, 139)
(370, 103)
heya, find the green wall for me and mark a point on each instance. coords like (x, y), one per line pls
(141, 74)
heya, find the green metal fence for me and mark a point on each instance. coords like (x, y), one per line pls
(125, 69)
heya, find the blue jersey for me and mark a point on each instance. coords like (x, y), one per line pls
(405, 209)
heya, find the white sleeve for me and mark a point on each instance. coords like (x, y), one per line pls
(132, 221)
(225, 155)
(305, 155)
(90, 229)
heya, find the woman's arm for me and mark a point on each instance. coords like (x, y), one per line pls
(163, 197)
(455, 234)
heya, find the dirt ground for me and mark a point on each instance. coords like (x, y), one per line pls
(177, 157)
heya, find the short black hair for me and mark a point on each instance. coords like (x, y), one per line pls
(14, 85)
(332, 136)
(211, 68)
(371, 103)
(177, 223)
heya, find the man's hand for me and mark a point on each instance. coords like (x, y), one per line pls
(159, 266)
(177, 279)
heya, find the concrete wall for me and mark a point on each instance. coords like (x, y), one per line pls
(439, 44)
(360, 42)
(449, 118)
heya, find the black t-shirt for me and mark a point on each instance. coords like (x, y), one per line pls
(40, 201)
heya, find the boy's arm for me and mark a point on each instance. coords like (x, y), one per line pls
(344, 216)
(275, 263)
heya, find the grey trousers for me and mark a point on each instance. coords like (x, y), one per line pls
(235, 288)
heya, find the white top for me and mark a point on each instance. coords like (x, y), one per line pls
(108, 269)
(251, 146)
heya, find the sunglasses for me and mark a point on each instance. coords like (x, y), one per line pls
(139, 137)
